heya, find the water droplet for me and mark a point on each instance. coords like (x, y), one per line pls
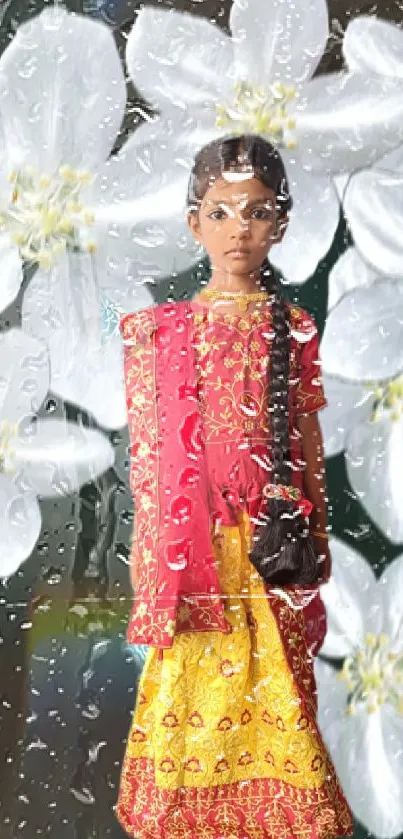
(37, 744)
(42, 548)
(81, 789)
(122, 552)
(52, 576)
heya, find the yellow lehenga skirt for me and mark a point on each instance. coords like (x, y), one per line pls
(221, 744)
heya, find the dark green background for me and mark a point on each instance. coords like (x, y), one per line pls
(68, 683)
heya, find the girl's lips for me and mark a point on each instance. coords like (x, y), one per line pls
(237, 254)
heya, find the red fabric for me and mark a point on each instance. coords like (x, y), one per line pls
(307, 604)
(168, 479)
(258, 809)
(232, 357)
(315, 622)
(187, 469)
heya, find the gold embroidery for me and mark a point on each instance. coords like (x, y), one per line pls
(309, 401)
(153, 621)
(235, 416)
(147, 621)
(170, 628)
(266, 687)
(241, 408)
(235, 731)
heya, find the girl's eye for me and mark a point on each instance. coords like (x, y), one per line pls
(217, 215)
(260, 213)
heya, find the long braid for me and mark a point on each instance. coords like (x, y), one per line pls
(279, 380)
(282, 550)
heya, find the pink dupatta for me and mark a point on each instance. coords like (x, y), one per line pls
(178, 586)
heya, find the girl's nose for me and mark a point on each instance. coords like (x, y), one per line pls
(241, 227)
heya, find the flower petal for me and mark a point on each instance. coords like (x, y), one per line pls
(20, 526)
(274, 40)
(120, 278)
(345, 121)
(140, 196)
(179, 59)
(62, 92)
(332, 701)
(363, 337)
(10, 271)
(55, 457)
(347, 405)
(374, 461)
(373, 204)
(392, 161)
(368, 757)
(340, 183)
(351, 599)
(349, 272)
(391, 585)
(313, 220)
(371, 45)
(77, 305)
(24, 376)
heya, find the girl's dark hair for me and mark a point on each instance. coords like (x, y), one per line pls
(282, 550)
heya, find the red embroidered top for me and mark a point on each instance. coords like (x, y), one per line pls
(196, 389)
(233, 353)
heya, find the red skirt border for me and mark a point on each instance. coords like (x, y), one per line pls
(263, 808)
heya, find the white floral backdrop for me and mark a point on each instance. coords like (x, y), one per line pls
(102, 107)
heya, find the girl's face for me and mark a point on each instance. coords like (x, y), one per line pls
(237, 223)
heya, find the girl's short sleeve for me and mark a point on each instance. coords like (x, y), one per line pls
(310, 395)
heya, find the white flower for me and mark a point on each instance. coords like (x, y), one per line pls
(374, 46)
(373, 200)
(75, 307)
(260, 80)
(361, 707)
(45, 457)
(362, 359)
(97, 228)
(362, 349)
(373, 205)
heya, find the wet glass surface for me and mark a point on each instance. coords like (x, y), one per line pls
(68, 677)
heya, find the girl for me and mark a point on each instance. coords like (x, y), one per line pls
(230, 537)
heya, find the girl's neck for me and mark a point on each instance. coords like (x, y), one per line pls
(247, 296)
(247, 284)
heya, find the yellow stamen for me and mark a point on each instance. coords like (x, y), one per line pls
(259, 110)
(373, 675)
(45, 212)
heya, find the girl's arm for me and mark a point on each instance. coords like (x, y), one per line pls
(315, 487)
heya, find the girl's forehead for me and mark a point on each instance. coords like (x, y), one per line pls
(236, 193)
